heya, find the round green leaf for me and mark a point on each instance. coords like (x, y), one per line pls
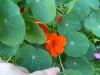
(93, 23)
(78, 44)
(33, 59)
(81, 64)
(70, 72)
(7, 51)
(34, 33)
(81, 8)
(43, 10)
(94, 4)
(12, 27)
(90, 54)
(70, 22)
(16, 1)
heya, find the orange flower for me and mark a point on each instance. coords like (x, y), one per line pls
(42, 25)
(44, 28)
(55, 44)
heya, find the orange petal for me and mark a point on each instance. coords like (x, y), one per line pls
(48, 45)
(61, 41)
(43, 26)
(53, 36)
(47, 34)
(59, 49)
(53, 52)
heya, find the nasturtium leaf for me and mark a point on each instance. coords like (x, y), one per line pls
(32, 58)
(93, 23)
(34, 33)
(78, 44)
(70, 22)
(70, 72)
(12, 27)
(15, 1)
(96, 66)
(59, 2)
(94, 4)
(43, 10)
(81, 8)
(90, 54)
(7, 51)
(81, 64)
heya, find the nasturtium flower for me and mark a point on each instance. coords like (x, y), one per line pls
(55, 44)
(59, 19)
(42, 25)
(44, 28)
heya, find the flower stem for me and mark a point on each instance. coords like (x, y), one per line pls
(61, 63)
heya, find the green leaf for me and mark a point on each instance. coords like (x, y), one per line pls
(90, 54)
(34, 33)
(94, 4)
(70, 72)
(93, 23)
(12, 27)
(81, 64)
(16, 1)
(70, 22)
(43, 10)
(7, 51)
(58, 2)
(33, 59)
(78, 44)
(81, 8)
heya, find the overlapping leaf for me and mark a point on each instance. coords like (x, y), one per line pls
(33, 59)
(43, 10)
(12, 27)
(34, 33)
(7, 51)
(90, 54)
(70, 22)
(78, 44)
(81, 64)
(93, 23)
(70, 72)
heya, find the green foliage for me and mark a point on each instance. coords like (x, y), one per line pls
(93, 23)
(70, 22)
(24, 41)
(34, 33)
(12, 27)
(90, 54)
(32, 58)
(78, 44)
(81, 64)
(70, 72)
(41, 10)
(16, 1)
(7, 51)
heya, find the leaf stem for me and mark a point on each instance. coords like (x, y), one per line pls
(72, 6)
(9, 59)
(61, 63)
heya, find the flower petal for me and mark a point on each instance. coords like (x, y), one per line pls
(53, 52)
(61, 41)
(42, 25)
(59, 49)
(48, 45)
